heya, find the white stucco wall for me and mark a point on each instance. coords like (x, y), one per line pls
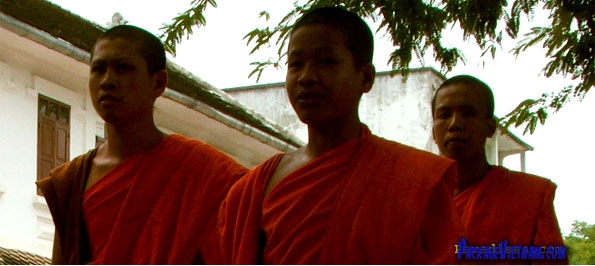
(272, 102)
(492, 149)
(400, 110)
(394, 109)
(25, 222)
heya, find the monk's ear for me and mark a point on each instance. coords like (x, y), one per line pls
(160, 82)
(368, 73)
(492, 126)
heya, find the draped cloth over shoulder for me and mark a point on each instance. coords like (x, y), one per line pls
(63, 191)
(511, 206)
(385, 203)
(166, 216)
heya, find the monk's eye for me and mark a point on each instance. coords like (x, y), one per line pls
(124, 67)
(295, 64)
(470, 113)
(98, 68)
(443, 115)
(327, 61)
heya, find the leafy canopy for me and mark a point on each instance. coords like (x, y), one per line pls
(581, 243)
(416, 27)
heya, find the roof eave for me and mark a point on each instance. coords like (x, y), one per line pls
(80, 34)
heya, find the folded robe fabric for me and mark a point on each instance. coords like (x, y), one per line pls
(368, 201)
(164, 210)
(510, 206)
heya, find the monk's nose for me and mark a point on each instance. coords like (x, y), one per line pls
(456, 122)
(308, 75)
(109, 79)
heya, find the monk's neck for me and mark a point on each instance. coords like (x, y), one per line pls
(323, 139)
(125, 142)
(470, 173)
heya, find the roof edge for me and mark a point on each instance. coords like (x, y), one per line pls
(518, 140)
(409, 70)
(380, 73)
(58, 29)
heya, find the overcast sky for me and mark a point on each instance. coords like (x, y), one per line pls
(217, 54)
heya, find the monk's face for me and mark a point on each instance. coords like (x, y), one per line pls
(121, 87)
(323, 85)
(462, 122)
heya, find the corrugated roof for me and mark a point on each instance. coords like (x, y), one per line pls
(17, 257)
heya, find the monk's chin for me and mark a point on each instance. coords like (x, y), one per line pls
(457, 155)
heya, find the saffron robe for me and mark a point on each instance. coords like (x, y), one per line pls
(167, 215)
(510, 206)
(368, 201)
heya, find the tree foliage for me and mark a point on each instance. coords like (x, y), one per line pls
(182, 24)
(416, 27)
(570, 45)
(581, 243)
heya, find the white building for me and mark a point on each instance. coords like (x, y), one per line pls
(47, 117)
(397, 109)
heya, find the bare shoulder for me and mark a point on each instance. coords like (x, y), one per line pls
(101, 165)
(290, 162)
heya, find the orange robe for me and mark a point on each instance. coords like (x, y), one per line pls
(510, 206)
(368, 201)
(158, 207)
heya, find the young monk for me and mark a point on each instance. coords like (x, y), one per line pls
(143, 197)
(347, 197)
(495, 204)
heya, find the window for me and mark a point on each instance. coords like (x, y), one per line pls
(53, 135)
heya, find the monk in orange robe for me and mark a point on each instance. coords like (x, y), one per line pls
(347, 197)
(495, 204)
(143, 197)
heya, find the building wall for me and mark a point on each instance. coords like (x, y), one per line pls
(400, 110)
(395, 109)
(492, 148)
(272, 102)
(29, 226)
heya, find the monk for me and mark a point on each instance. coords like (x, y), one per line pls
(495, 204)
(143, 197)
(348, 196)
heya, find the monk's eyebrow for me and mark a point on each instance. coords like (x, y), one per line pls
(97, 61)
(459, 107)
(469, 107)
(321, 51)
(442, 108)
(295, 53)
(325, 51)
